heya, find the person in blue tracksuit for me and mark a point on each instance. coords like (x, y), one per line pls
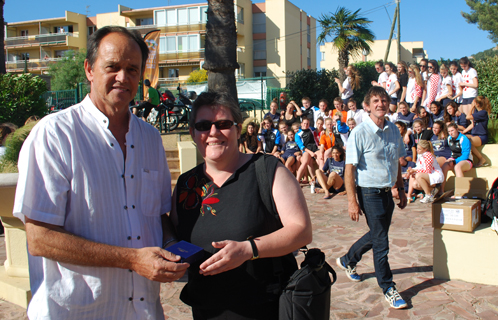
(269, 137)
(461, 156)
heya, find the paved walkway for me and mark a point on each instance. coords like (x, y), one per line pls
(410, 258)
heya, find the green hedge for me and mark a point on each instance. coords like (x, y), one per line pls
(487, 71)
(313, 84)
(21, 97)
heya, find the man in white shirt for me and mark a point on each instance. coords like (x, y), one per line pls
(94, 189)
(379, 67)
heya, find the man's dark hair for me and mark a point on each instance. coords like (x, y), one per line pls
(147, 82)
(94, 43)
(376, 92)
(213, 98)
(425, 60)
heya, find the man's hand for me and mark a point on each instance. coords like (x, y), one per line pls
(157, 264)
(231, 255)
(354, 210)
(402, 200)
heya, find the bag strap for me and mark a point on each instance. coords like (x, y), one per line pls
(330, 270)
(265, 172)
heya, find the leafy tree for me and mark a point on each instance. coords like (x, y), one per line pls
(2, 43)
(484, 13)
(313, 84)
(199, 75)
(221, 45)
(68, 72)
(20, 97)
(349, 32)
(486, 54)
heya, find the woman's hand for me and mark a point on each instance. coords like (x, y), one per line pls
(231, 255)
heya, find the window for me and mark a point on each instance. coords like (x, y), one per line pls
(193, 15)
(239, 14)
(204, 14)
(173, 73)
(25, 56)
(24, 33)
(417, 52)
(145, 22)
(171, 17)
(91, 30)
(322, 56)
(308, 56)
(160, 17)
(308, 33)
(167, 44)
(179, 43)
(63, 29)
(182, 16)
(259, 49)
(258, 23)
(259, 72)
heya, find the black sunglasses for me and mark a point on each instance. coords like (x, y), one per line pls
(431, 67)
(220, 125)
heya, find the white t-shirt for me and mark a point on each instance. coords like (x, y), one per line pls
(444, 86)
(468, 77)
(383, 77)
(357, 116)
(425, 75)
(391, 84)
(455, 80)
(348, 92)
(72, 174)
(410, 90)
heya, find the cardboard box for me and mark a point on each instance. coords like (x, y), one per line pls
(456, 214)
(463, 211)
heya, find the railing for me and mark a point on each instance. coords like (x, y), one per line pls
(170, 29)
(182, 55)
(31, 64)
(53, 38)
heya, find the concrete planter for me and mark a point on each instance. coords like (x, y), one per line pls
(14, 275)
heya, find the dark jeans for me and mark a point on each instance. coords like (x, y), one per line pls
(378, 207)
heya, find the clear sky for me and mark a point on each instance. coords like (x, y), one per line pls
(438, 23)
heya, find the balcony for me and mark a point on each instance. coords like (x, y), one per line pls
(31, 64)
(40, 39)
(171, 29)
(188, 55)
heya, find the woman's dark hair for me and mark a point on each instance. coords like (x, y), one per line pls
(443, 134)
(214, 98)
(253, 125)
(466, 61)
(341, 152)
(447, 115)
(424, 120)
(454, 63)
(435, 66)
(392, 66)
(402, 125)
(270, 120)
(453, 125)
(438, 105)
(93, 44)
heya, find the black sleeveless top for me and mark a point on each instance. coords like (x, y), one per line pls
(233, 211)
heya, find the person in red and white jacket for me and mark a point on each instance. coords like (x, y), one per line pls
(426, 174)
(433, 84)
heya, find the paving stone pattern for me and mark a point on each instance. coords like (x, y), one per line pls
(410, 258)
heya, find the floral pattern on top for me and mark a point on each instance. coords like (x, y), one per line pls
(194, 192)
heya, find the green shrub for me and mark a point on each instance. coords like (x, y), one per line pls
(68, 72)
(493, 130)
(313, 84)
(199, 75)
(20, 97)
(368, 74)
(487, 71)
(8, 162)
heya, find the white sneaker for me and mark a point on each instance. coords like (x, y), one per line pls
(312, 187)
(427, 199)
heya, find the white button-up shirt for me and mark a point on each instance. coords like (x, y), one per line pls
(72, 174)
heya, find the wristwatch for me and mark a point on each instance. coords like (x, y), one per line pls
(255, 254)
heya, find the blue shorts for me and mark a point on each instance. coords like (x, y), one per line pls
(445, 102)
(484, 139)
(345, 101)
(285, 156)
(394, 101)
(341, 189)
(467, 101)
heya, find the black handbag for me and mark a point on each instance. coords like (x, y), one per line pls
(306, 296)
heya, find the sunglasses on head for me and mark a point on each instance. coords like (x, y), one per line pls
(220, 125)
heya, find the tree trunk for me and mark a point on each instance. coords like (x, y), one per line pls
(2, 44)
(343, 60)
(221, 47)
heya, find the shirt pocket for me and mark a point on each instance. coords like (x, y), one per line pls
(150, 196)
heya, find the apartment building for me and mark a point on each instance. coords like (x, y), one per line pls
(273, 37)
(33, 45)
(410, 52)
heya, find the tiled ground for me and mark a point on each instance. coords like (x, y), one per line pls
(410, 258)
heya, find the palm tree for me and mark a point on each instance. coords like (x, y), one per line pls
(2, 44)
(221, 47)
(349, 32)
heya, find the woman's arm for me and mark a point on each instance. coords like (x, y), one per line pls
(339, 85)
(260, 146)
(474, 84)
(295, 233)
(298, 110)
(247, 149)
(396, 88)
(448, 95)
(403, 94)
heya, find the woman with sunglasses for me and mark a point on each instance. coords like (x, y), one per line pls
(433, 84)
(414, 88)
(469, 85)
(217, 207)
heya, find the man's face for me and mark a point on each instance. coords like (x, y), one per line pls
(306, 103)
(116, 72)
(378, 106)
